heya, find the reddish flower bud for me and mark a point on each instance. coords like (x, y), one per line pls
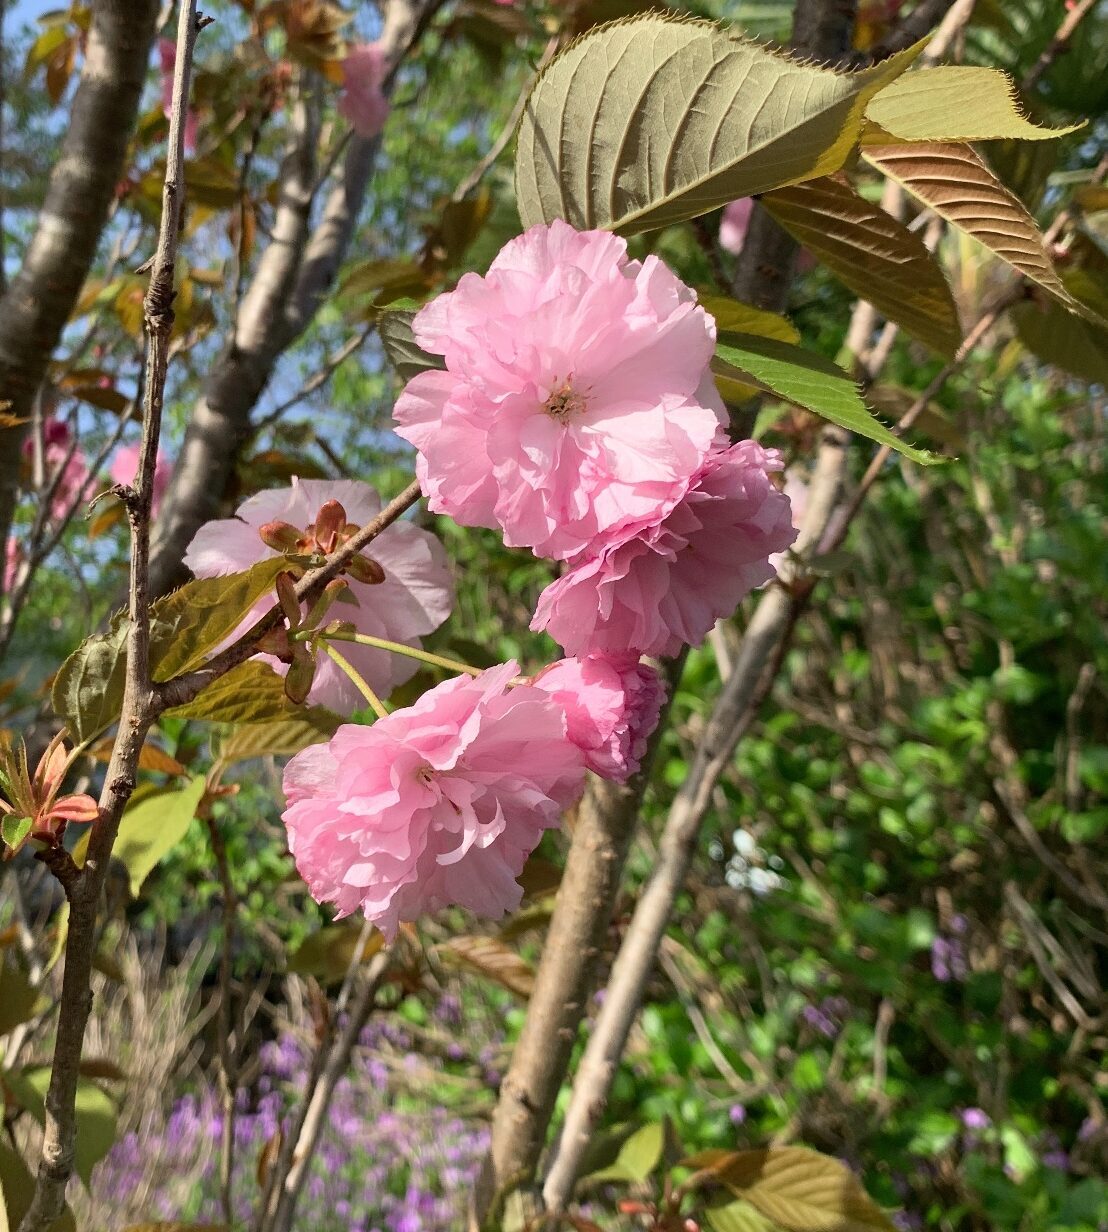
(365, 569)
(282, 537)
(330, 522)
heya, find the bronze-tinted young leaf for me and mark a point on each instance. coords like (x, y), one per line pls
(808, 380)
(249, 693)
(801, 1190)
(404, 353)
(660, 118)
(280, 739)
(327, 954)
(956, 103)
(954, 181)
(877, 257)
(1057, 337)
(492, 959)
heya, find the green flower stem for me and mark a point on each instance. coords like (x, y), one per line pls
(424, 656)
(363, 688)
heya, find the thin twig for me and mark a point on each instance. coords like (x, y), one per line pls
(60, 1132)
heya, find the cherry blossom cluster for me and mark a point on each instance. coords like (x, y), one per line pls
(578, 414)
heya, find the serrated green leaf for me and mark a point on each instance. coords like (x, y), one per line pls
(249, 693)
(738, 1216)
(185, 627)
(660, 118)
(17, 996)
(734, 317)
(810, 381)
(801, 1190)
(954, 181)
(638, 1156)
(280, 739)
(15, 829)
(956, 103)
(876, 256)
(404, 353)
(154, 822)
(1069, 342)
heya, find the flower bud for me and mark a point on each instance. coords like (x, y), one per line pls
(365, 569)
(330, 522)
(301, 674)
(290, 604)
(281, 537)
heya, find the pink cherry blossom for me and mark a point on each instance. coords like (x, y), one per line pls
(611, 705)
(124, 468)
(363, 100)
(666, 583)
(734, 224)
(13, 557)
(576, 398)
(167, 59)
(436, 805)
(75, 482)
(414, 599)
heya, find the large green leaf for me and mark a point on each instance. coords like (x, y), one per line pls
(801, 1190)
(661, 118)
(954, 181)
(956, 103)
(738, 1216)
(732, 316)
(154, 822)
(249, 693)
(185, 627)
(96, 1114)
(810, 381)
(877, 257)
(1058, 337)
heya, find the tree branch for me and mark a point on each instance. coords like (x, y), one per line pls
(38, 303)
(83, 891)
(294, 274)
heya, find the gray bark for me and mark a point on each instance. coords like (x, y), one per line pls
(38, 303)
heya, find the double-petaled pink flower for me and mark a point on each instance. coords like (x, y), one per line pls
(363, 100)
(413, 600)
(124, 470)
(435, 805)
(611, 706)
(576, 399)
(663, 584)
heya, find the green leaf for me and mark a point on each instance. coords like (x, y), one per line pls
(17, 997)
(279, 739)
(876, 256)
(810, 381)
(738, 1216)
(801, 1190)
(17, 1188)
(249, 693)
(404, 353)
(387, 280)
(1069, 342)
(327, 954)
(88, 688)
(154, 822)
(954, 181)
(96, 1115)
(734, 317)
(185, 627)
(659, 118)
(638, 1156)
(15, 829)
(956, 103)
